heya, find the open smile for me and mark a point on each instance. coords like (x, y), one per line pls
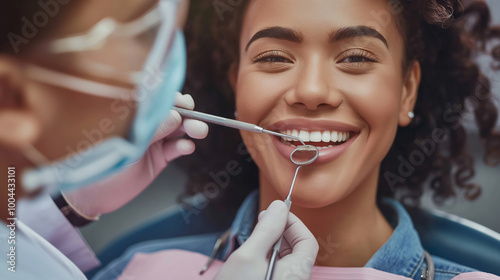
(331, 138)
(320, 139)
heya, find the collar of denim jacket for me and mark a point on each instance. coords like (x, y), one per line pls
(402, 254)
(243, 223)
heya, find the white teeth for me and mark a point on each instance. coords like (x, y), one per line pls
(304, 136)
(325, 147)
(317, 136)
(334, 136)
(325, 137)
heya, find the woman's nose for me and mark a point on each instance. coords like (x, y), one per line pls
(313, 89)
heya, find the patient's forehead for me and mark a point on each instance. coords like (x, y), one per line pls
(320, 16)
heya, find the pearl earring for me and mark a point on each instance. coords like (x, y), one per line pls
(411, 115)
(235, 114)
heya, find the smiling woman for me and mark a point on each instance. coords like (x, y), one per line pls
(378, 86)
(339, 77)
(362, 51)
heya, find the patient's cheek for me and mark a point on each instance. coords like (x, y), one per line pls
(256, 95)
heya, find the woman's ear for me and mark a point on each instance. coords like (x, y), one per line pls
(409, 93)
(233, 75)
(19, 125)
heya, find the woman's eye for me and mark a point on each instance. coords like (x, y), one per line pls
(272, 57)
(359, 56)
(357, 59)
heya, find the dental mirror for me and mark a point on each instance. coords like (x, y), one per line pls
(300, 156)
(304, 155)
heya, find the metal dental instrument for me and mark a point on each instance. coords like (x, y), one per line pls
(288, 200)
(300, 156)
(230, 123)
(221, 241)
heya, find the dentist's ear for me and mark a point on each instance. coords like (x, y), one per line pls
(409, 93)
(19, 125)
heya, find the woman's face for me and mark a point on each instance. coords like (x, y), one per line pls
(331, 72)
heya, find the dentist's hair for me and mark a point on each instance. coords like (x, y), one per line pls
(445, 36)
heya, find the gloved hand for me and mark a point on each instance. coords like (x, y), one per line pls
(296, 256)
(114, 192)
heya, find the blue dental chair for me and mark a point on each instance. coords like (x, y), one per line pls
(458, 239)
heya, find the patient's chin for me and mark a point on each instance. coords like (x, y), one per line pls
(315, 197)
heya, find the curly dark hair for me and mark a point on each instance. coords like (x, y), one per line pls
(445, 36)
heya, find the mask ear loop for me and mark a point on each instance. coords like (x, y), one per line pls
(77, 84)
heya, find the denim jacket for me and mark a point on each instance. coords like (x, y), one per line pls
(402, 254)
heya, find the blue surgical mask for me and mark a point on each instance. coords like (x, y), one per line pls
(163, 75)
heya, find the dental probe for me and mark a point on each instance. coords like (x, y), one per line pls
(230, 123)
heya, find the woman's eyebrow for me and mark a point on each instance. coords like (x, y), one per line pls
(344, 33)
(356, 31)
(277, 32)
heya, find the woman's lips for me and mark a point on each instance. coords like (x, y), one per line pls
(325, 154)
(330, 150)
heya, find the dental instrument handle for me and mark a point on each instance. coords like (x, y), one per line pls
(218, 120)
(277, 246)
(272, 261)
(229, 123)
